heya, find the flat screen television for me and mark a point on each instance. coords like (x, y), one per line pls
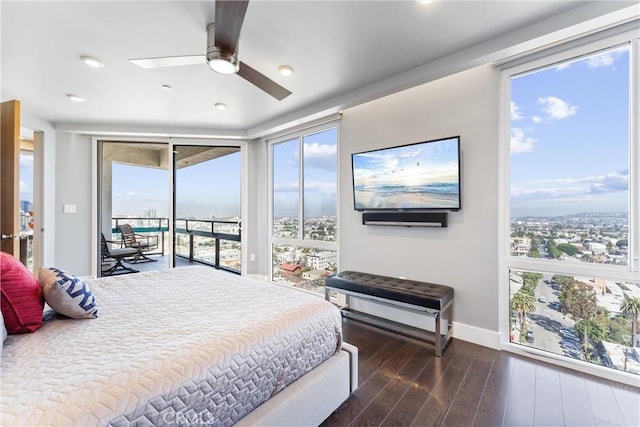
(419, 176)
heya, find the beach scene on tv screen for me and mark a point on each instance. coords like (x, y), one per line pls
(418, 176)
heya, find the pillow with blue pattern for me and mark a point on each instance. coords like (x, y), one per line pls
(67, 294)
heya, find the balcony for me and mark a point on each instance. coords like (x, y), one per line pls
(215, 243)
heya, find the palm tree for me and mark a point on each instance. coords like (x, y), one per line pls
(523, 303)
(580, 301)
(631, 308)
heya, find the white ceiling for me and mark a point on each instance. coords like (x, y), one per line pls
(343, 52)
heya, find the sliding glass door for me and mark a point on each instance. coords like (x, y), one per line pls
(207, 206)
(135, 192)
(181, 202)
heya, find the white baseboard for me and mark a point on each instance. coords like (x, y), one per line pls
(475, 335)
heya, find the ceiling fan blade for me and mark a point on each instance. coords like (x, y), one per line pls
(229, 18)
(169, 61)
(263, 82)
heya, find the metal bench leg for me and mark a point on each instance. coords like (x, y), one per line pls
(438, 337)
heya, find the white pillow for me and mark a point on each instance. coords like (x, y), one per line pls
(67, 294)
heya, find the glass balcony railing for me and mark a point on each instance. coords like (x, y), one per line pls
(215, 243)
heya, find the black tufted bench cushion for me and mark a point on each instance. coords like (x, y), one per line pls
(413, 292)
(428, 298)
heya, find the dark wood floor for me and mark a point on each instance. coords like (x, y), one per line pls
(402, 383)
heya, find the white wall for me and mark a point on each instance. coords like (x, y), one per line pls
(464, 255)
(73, 186)
(255, 227)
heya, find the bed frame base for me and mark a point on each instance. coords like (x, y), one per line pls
(313, 398)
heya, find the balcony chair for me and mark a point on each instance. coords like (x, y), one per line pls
(137, 241)
(112, 258)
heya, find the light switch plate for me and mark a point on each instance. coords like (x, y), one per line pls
(69, 208)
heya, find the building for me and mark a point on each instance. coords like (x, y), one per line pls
(150, 213)
(321, 260)
(26, 205)
(290, 269)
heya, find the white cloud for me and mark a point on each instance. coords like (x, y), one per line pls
(26, 161)
(520, 143)
(285, 187)
(572, 188)
(515, 112)
(410, 153)
(606, 59)
(322, 156)
(557, 108)
(320, 187)
(314, 186)
(26, 192)
(536, 119)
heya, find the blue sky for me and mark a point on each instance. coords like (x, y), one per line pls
(204, 189)
(26, 177)
(320, 165)
(569, 137)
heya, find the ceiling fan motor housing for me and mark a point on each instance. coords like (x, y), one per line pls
(219, 59)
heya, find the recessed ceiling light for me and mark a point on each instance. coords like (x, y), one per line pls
(92, 62)
(167, 87)
(424, 1)
(220, 106)
(285, 70)
(75, 98)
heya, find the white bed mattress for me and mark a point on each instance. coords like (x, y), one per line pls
(183, 346)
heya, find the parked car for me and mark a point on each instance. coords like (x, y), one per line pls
(529, 336)
(542, 299)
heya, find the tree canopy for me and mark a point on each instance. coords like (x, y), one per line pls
(568, 249)
(579, 300)
(631, 308)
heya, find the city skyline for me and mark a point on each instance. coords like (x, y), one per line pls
(569, 137)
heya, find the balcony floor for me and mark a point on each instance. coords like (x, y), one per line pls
(161, 264)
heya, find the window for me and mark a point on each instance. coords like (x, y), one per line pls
(208, 192)
(570, 204)
(303, 208)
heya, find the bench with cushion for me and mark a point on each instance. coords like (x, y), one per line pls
(425, 298)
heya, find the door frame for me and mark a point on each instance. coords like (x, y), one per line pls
(96, 167)
(10, 159)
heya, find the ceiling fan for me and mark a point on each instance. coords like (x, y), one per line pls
(222, 50)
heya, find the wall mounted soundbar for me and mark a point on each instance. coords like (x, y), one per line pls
(406, 219)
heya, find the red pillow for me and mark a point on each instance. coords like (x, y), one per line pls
(22, 300)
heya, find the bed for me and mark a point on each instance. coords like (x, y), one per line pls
(185, 346)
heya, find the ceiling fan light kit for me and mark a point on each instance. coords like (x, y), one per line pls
(222, 50)
(222, 62)
(219, 59)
